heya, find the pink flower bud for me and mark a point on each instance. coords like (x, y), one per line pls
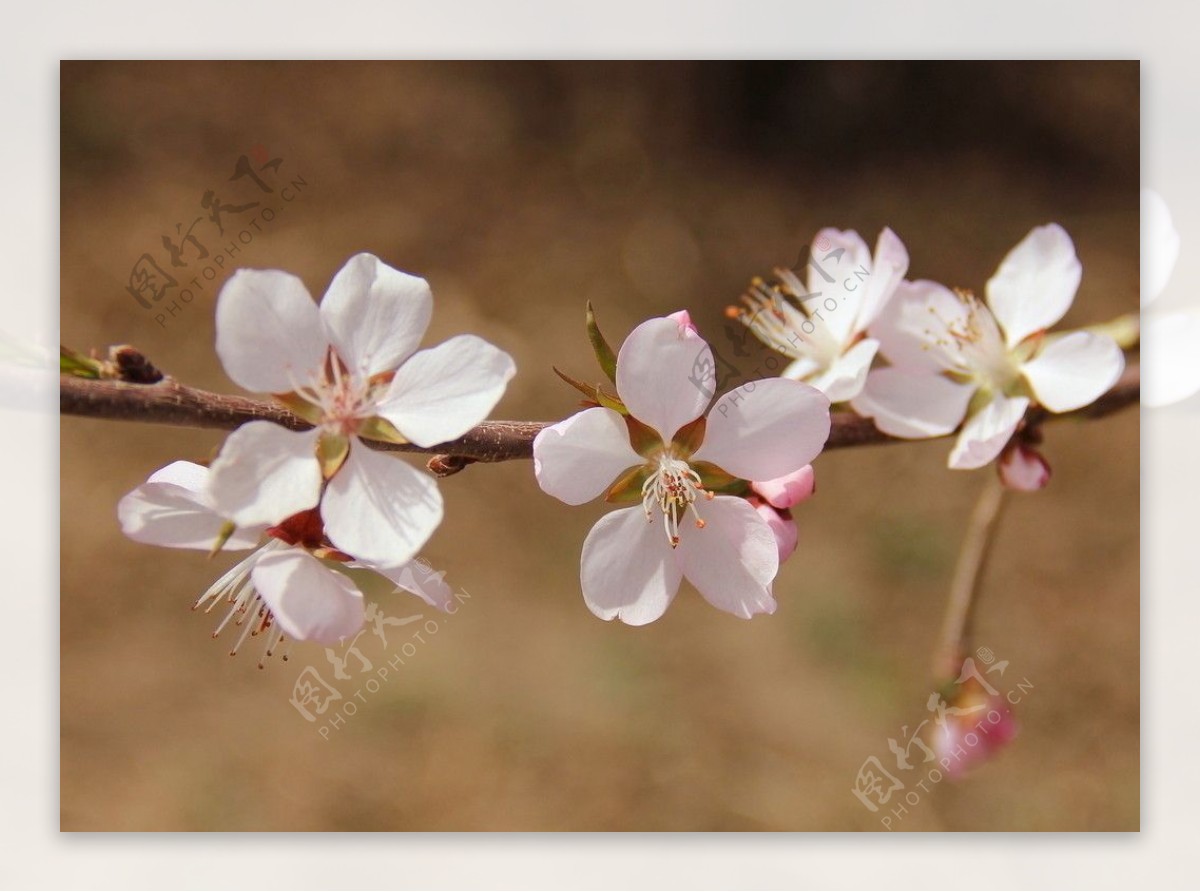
(1023, 468)
(781, 524)
(788, 490)
(976, 725)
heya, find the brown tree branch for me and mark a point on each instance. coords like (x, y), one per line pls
(169, 402)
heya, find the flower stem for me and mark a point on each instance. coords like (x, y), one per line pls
(964, 588)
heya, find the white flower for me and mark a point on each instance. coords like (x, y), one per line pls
(822, 327)
(634, 558)
(954, 357)
(349, 367)
(282, 589)
(1170, 360)
(27, 375)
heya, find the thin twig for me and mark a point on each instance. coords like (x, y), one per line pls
(964, 588)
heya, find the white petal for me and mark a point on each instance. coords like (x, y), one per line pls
(987, 431)
(578, 458)
(733, 559)
(418, 578)
(844, 380)
(913, 327)
(28, 375)
(628, 570)
(188, 474)
(269, 333)
(264, 474)
(1073, 370)
(888, 267)
(838, 272)
(175, 516)
(1035, 284)
(665, 375)
(1170, 358)
(443, 392)
(1160, 246)
(765, 429)
(309, 601)
(375, 315)
(379, 509)
(913, 405)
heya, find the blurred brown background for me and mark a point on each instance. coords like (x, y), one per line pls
(521, 190)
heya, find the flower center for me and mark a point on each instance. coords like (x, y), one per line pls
(246, 606)
(974, 345)
(344, 399)
(673, 488)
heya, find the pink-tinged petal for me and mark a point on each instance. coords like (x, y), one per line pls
(309, 601)
(1035, 284)
(845, 379)
(733, 560)
(375, 315)
(987, 432)
(783, 528)
(1160, 247)
(1022, 468)
(845, 258)
(684, 319)
(379, 509)
(176, 516)
(419, 578)
(628, 570)
(665, 375)
(578, 459)
(888, 268)
(913, 328)
(1073, 370)
(913, 405)
(788, 490)
(269, 333)
(264, 474)
(443, 392)
(765, 429)
(1170, 360)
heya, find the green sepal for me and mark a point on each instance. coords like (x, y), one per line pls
(714, 479)
(72, 363)
(604, 353)
(332, 450)
(299, 407)
(586, 389)
(610, 400)
(376, 428)
(228, 528)
(643, 438)
(628, 487)
(690, 436)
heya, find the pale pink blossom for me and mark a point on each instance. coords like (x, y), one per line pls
(667, 455)
(1170, 360)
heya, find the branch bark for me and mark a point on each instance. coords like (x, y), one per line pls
(169, 402)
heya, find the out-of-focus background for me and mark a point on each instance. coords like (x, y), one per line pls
(522, 190)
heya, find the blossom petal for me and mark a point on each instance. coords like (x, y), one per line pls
(665, 375)
(309, 601)
(269, 333)
(1035, 284)
(418, 578)
(766, 429)
(628, 570)
(913, 327)
(443, 392)
(788, 490)
(987, 431)
(845, 259)
(1170, 360)
(578, 458)
(1160, 246)
(264, 474)
(375, 315)
(844, 380)
(1073, 370)
(913, 405)
(379, 509)
(733, 559)
(782, 528)
(888, 268)
(175, 516)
